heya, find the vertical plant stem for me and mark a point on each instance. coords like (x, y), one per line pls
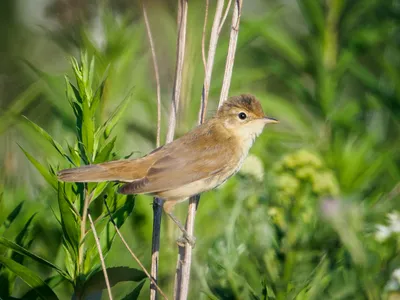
(225, 15)
(157, 203)
(180, 57)
(182, 276)
(133, 254)
(156, 73)
(103, 265)
(155, 245)
(203, 37)
(230, 59)
(210, 59)
(88, 198)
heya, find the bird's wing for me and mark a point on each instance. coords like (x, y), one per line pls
(188, 159)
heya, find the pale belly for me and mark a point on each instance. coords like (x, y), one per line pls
(202, 185)
(192, 188)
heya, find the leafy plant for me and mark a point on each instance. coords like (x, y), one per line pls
(94, 143)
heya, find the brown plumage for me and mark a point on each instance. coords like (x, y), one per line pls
(196, 162)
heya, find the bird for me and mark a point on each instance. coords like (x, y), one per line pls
(199, 161)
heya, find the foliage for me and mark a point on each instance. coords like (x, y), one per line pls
(316, 219)
(94, 144)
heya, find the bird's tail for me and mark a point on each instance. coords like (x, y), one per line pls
(94, 173)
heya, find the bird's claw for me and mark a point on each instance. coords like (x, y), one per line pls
(186, 239)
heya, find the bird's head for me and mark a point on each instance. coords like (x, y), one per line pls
(244, 116)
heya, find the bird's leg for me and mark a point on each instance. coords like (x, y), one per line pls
(191, 240)
(186, 238)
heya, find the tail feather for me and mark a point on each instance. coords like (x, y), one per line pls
(92, 173)
(122, 170)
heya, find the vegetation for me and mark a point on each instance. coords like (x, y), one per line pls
(314, 214)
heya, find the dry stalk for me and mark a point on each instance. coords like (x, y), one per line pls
(225, 15)
(103, 265)
(210, 59)
(152, 280)
(182, 277)
(230, 59)
(157, 203)
(88, 199)
(180, 57)
(203, 37)
(156, 73)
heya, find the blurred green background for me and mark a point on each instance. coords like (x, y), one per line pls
(314, 214)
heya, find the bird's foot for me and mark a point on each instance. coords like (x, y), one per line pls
(186, 239)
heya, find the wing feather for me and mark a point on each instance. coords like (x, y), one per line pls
(188, 159)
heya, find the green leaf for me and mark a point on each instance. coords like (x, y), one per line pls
(30, 278)
(47, 136)
(74, 155)
(10, 218)
(52, 282)
(15, 247)
(100, 187)
(104, 153)
(51, 179)
(115, 117)
(87, 129)
(135, 293)
(98, 94)
(73, 95)
(23, 239)
(70, 221)
(96, 280)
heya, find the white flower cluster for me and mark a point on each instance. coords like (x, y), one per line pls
(383, 232)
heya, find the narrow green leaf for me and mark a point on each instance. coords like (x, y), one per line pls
(99, 189)
(104, 153)
(69, 219)
(52, 282)
(73, 95)
(74, 155)
(51, 179)
(98, 94)
(96, 281)
(24, 239)
(10, 218)
(115, 117)
(87, 129)
(134, 295)
(30, 278)
(15, 247)
(47, 136)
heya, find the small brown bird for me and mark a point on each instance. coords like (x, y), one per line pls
(199, 161)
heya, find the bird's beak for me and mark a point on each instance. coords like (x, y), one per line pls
(269, 120)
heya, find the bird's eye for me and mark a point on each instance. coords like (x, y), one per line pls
(242, 116)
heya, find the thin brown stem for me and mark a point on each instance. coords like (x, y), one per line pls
(88, 199)
(157, 205)
(182, 276)
(225, 16)
(203, 37)
(132, 253)
(103, 265)
(210, 59)
(180, 57)
(156, 73)
(230, 59)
